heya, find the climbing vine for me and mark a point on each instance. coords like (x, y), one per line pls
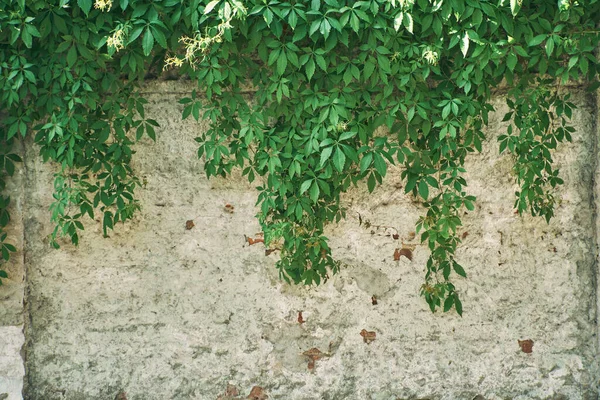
(340, 91)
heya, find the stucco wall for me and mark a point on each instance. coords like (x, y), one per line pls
(160, 312)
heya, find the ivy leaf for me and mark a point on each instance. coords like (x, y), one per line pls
(281, 63)
(549, 47)
(368, 70)
(459, 269)
(423, 189)
(310, 69)
(71, 56)
(448, 303)
(380, 165)
(371, 183)
(536, 40)
(457, 304)
(511, 61)
(147, 42)
(339, 159)
(305, 185)
(314, 192)
(325, 154)
(365, 162)
(85, 5)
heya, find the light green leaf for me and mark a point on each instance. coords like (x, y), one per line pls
(365, 162)
(325, 154)
(310, 69)
(314, 192)
(339, 159)
(536, 40)
(305, 185)
(347, 135)
(549, 46)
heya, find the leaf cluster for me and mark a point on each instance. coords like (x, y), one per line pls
(340, 90)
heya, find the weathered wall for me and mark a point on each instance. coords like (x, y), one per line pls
(12, 292)
(161, 312)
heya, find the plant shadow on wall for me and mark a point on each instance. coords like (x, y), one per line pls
(306, 98)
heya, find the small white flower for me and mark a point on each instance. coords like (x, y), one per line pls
(103, 5)
(431, 56)
(116, 39)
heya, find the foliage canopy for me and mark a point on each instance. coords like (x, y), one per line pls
(342, 89)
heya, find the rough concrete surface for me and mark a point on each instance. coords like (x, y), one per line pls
(12, 338)
(12, 370)
(160, 312)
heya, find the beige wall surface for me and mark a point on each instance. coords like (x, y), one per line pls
(156, 311)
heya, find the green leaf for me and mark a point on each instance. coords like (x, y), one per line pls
(305, 185)
(325, 154)
(459, 269)
(365, 162)
(549, 46)
(448, 303)
(314, 192)
(457, 304)
(446, 110)
(281, 63)
(371, 183)
(368, 70)
(85, 5)
(537, 40)
(514, 7)
(423, 189)
(71, 56)
(339, 159)
(380, 165)
(511, 61)
(147, 42)
(310, 69)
